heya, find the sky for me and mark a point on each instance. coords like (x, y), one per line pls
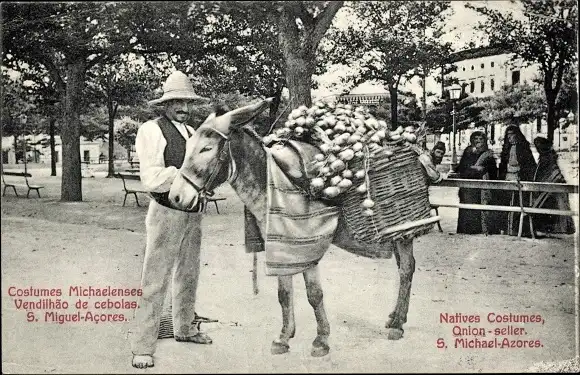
(461, 30)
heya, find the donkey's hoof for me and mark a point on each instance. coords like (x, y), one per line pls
(320, 346)
(395, 333)
(279, 347)
(320, 350)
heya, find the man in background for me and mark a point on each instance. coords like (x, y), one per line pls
(430, 160)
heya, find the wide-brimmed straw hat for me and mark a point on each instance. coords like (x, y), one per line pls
(177, 86)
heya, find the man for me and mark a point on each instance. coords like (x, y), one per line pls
(173, 236)
(430, 160)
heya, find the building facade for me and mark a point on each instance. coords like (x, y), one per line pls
(91, 152)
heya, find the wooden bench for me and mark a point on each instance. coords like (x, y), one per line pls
(133, 174)
(124, 176)
(21, 175)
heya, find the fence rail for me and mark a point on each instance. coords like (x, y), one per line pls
(520, 187)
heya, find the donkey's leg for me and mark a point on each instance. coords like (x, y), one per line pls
(286, 299)
(406, 265)
(315, 298)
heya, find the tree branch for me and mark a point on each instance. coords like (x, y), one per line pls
(323, 22)
(114, 50)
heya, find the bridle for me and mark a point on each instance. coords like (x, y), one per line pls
(206, 190)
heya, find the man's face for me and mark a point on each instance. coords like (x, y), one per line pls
(437, 156)
(511, 136)
(479, 141)
(178, 110)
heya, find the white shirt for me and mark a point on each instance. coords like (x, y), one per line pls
(150, 145)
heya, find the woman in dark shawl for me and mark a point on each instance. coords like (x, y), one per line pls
(517, 163)
(548, 171)
(477, 162)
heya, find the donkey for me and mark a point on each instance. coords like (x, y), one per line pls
(223, 149)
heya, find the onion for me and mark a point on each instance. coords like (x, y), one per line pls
(345, 183)
(368, 212)
(335, 180)
(360, 174)
(337, 165)
(346, 155)
(325, 148)
(317, 183)
(368, 203)
(357, 146)
(319, 157)
(339, 128)
(331, 191)
(362, 188)
(347, 173)
(354, 139)
(410, 137)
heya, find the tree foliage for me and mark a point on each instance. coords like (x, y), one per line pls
(545, 36)
(67, 39)
(515, 105)
(389, 41)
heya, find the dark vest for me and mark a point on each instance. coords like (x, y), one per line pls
(173, 154)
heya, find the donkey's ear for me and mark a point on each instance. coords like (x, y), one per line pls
(209, 118)
(243, 115)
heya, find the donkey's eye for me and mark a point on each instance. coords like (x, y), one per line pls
(206, 149)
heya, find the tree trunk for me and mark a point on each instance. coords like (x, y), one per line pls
(394, 106)
(71, 189)
(15, 148)
(112, 113)
(551, 114)
(51, 124)
(299, 70)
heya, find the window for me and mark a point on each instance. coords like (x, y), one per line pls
(482, 86)
(482, 66)
(472, 67)
(492, 64)
(4, 157)
(492, 84)
(472, 86)
(86, 155)
(515, 77)
(464, 69)
(56, 157)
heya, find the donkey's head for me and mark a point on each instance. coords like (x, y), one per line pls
(208, 162)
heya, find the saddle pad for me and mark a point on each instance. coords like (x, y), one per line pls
(298, 228)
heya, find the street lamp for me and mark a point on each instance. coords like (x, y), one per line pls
(454, 94)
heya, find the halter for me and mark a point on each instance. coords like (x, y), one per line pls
(224, 153)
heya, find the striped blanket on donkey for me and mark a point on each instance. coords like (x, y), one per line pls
(299, 228)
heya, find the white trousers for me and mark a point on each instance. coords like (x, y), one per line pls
(172, 253)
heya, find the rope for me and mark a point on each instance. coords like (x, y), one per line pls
(368, 185)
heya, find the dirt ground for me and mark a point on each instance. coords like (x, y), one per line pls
(50, 244)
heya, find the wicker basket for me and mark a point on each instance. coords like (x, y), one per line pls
(398, 187)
